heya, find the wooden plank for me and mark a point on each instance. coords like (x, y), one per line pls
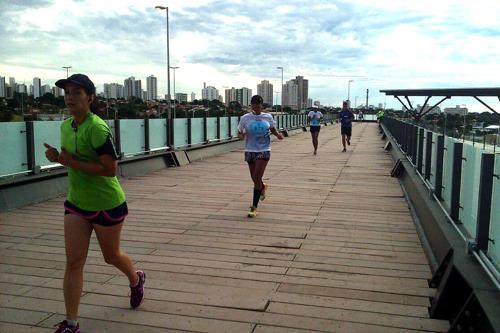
(313, 260)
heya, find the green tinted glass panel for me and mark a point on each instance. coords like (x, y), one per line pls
(449, 144)
(157, 133)
(234, 126)
(13, 139)
(180, 132)
(49, 132)
(494, 246)
(197, 131)
(132, 136)
(469, 191)
(211, 128)
(224, 134)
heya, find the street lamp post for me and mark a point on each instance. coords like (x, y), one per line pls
(174, 68)
(168, 61)
(349, 91)
(281, 87)
(67, 68)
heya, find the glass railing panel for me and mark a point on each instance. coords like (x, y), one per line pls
(424, 152)
(157, 133)
(211, 128)
(449, 145)
(494, 246)
(234, 126)
(181, 132)
(132, 139)
(49, 132)
(197, 131)
(469, 191)
(224, 128)
(433, 159)
(13, 139)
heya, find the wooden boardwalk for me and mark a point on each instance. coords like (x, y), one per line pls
(333, 249)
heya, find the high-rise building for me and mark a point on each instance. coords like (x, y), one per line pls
(37, 87)
(2, 86)
(309, 102)
(113, 90)
(193, 96)
(31, 90)
(138, 89)
(129, 87)
(13, 88)
(458, 110)
(210, 93)
(290, 94)
(265, 89)
(230, 95)
(152, 88)
(243, 96)
(303, 92)
(22, 89)
(56, 91)
(46, 89)
(181, 97)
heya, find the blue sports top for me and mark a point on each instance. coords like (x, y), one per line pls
(346, 116)
(256, 129)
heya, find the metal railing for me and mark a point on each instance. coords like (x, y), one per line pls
(464, 178)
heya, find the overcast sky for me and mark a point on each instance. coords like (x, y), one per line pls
(380, 44)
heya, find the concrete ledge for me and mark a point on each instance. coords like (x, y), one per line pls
(202, 152)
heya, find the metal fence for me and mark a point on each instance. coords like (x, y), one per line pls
(465, 179)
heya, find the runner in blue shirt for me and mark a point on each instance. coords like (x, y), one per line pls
(346, 116)
(255, 128)
(315, 126)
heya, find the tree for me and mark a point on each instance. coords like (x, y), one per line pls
(48, 98)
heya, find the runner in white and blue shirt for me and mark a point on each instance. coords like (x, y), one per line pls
(315, 126)
(256, 129)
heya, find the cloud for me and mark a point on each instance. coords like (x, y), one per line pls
(424, 44)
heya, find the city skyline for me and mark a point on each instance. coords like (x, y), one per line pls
(445, 44)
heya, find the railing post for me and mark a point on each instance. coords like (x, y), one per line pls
(118, 144)
(404, 138)
(170, 132)
(414, 144)
(428, 155)
(205, 128)
(218, 128)
(30, 147)
(438, 190)
(456, 179)
(146, 134)
(229, 132)
(484, 205)
(420, 153)
(189, 131)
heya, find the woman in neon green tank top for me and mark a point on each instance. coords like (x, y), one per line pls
(95, 201)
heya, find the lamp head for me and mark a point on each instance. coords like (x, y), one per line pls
(160, 7)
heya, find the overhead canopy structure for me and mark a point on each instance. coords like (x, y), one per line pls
(445, 93)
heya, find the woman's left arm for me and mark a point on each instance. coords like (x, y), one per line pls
(276, 133)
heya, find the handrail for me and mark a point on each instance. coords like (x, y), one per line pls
(482, 259)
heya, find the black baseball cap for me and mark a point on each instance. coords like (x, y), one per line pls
(80, 80)
(256, 99)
